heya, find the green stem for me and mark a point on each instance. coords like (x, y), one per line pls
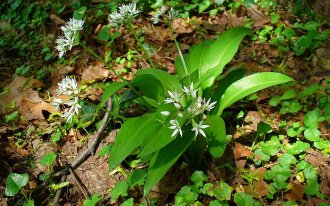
(89, 50)
(131, 29)
(181, 56)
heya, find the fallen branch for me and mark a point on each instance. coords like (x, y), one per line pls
(93, 145)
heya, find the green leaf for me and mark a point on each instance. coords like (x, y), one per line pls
(30, 202)
(322, 145)
(60, 185)
(260, 156)
(286, 160)
(270, 147)
(216, 135)
(312, 187)
(129, 202)
(244, 199)
(312, 134)
(48, 159)
(120, 189)
(297, 148)
(275, 100)
(154, 83)
(279, 175)
(309, 91)
(110, 90)
(311, 25)
(216, 203)
(289, 94)
(218, 54)
(15, 182)
(198, 177)
(263, 128)
(312, 119)
(131, 136)
(136, 178)
(104, 34)
(105, 150)
(165, 158)
(225, 82)
(186, 196)
(223, 191)
(248, 85)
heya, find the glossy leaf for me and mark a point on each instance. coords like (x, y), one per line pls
(15, 182)
(131, 136)
(110, 90)
(249, 85)
(216, 135)
(165, 158)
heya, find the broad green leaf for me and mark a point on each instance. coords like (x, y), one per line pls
(168, 81)
(220, 53)
(131, 136)
(275, 100)
(180, 71)
(216, 135)
(165, 158)
(312, 187)
(15, 182)
(309, 91)
(198, 177)
(271, 146)
(150, 86)
(260, 156)
(248, 85)
(48, 159)
(92, 201)
(120, 189)
(225, 82)
(195, 56)
(278, 174)
(136, 178)
(110, 90)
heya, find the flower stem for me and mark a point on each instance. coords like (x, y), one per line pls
(131, 29)
(89, 50)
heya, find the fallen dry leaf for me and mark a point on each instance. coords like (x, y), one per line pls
(262, 188)
(257, 16)
(32, 105)
(297, 191)
(241, 151)
(94, 73)
(182, 26)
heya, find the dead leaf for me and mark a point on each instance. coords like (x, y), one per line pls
(94, 73)
(297, 191)
(316, 158)
(324, 172)
(32, 105)
(16, 89)
(262, 188)
(257, 16)
(182, 26)
(254, 118)
(40, 149)
(56, 20)
(241, 151)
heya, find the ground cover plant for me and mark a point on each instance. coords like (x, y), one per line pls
(165, 103)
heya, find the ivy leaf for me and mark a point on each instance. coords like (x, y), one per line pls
(312, 187)
(312, 134)
(286, 160)
(198, 177)
(312, 119)
(244, 199)
(297, 148)
(223, 191)
(15, 182)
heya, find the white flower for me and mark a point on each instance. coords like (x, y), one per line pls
(165, 113)
(176, 127)
(190, 90)
(172, 14)
(209, 106)
(71, 36)
(68, 86)
(160, 12)
(198, 128)
(125, 13)
(68, 116)
(174, 97)
(56, 103)
(74, 105)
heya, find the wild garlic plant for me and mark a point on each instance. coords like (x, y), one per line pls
(68, 86)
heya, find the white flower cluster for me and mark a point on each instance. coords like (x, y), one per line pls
(171, 15)
(69, 87)
(125, 13)
(71, 36)
(193, 111)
